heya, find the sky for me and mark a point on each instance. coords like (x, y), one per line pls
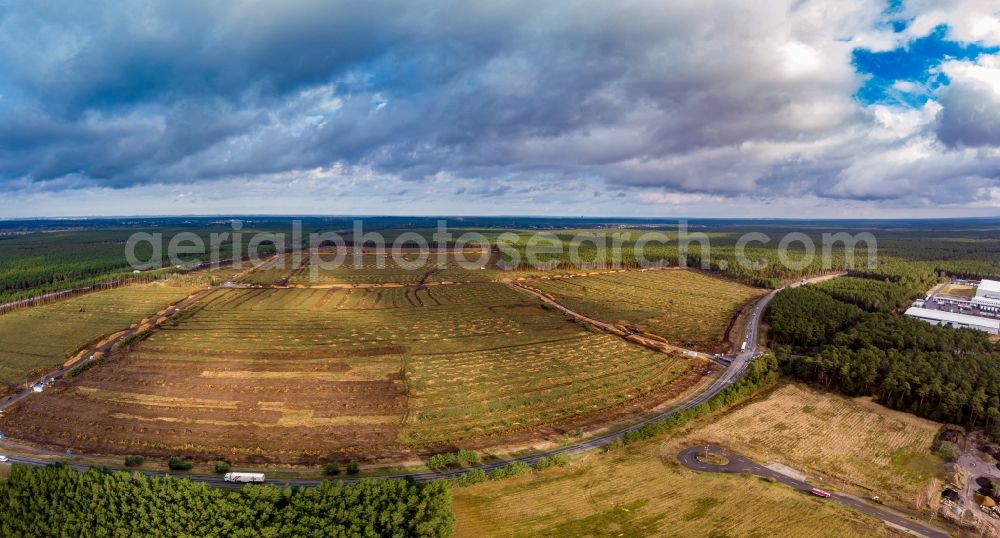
(736, 108)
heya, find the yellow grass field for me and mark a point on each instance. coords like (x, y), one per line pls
(642, 490)
(855, 444)
(635, 493)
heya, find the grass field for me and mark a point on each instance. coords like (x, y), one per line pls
(855, 443)
(36, 339)
(688, 308)
(643, 491)
(638, 493)
(297, 375)
(958, 290)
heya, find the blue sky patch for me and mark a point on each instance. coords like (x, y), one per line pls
(894, 8)
(913, 63)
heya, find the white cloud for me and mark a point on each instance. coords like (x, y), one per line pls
(968, 20)
(675, 198)
(907, 86)
(984, 72)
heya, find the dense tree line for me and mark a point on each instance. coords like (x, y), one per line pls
(871, 295)
(58, 501)
(948, 375)
(909, 258)
(808, 317)
(34, 264)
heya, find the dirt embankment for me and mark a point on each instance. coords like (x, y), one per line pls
(734, 331)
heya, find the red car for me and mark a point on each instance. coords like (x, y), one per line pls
(819, 493)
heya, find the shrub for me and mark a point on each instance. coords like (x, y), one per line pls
(132, 461)
(474, 476)
(947, 451)
(614, 445)
(179, 316)
(462, 458)
(133, 339)
(352, 468)
(559, 460)
(516, 468)
(221, 467)
(177, 464)
(331, 469)
(81, 369)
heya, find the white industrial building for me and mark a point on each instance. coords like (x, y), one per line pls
(988, 289)
(988, 305)
(956, 321)
(987, 298)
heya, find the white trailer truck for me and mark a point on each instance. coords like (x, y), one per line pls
(244, 478)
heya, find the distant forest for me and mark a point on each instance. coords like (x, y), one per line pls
(42, 256)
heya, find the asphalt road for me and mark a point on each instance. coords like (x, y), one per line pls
(740, 464)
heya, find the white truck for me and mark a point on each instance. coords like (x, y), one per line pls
(244, 478)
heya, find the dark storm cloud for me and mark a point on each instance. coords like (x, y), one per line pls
(970, 117)
(730, 98)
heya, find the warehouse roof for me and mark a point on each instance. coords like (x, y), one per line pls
(991, 286)
(985, 301)
(941, 315)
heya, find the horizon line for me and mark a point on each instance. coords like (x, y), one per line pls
(523, 216)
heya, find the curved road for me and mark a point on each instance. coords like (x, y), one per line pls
(740, 464)
(737, 367)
